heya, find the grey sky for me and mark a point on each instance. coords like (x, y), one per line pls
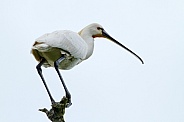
(112, 85)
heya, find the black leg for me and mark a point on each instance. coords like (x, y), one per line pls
(38, 67)
(56, 65)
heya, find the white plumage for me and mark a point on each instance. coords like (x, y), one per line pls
(64, 42)
(64, 39)
(64, 49)
(75, 46)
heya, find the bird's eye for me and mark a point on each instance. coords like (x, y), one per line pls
(99, 28)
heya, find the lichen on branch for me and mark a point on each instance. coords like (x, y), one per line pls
(56, 113)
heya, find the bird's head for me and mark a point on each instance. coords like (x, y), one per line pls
(93, 30)
(96, 30)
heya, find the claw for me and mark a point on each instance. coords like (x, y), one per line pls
(68, 105)
(53, 102)
(66, 101)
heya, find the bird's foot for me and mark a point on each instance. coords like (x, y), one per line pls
(69, 103)
(56, 113)
(64, 100)
(53, 102)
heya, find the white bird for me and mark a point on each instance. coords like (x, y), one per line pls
(65, 49)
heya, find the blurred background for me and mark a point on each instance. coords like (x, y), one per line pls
(112, 85)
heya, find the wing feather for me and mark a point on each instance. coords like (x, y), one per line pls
(65, 40)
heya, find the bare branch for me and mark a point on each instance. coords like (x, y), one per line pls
(56, 113)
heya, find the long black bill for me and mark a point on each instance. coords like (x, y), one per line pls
(105, 34)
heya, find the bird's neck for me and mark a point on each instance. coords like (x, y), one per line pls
(89, 41)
